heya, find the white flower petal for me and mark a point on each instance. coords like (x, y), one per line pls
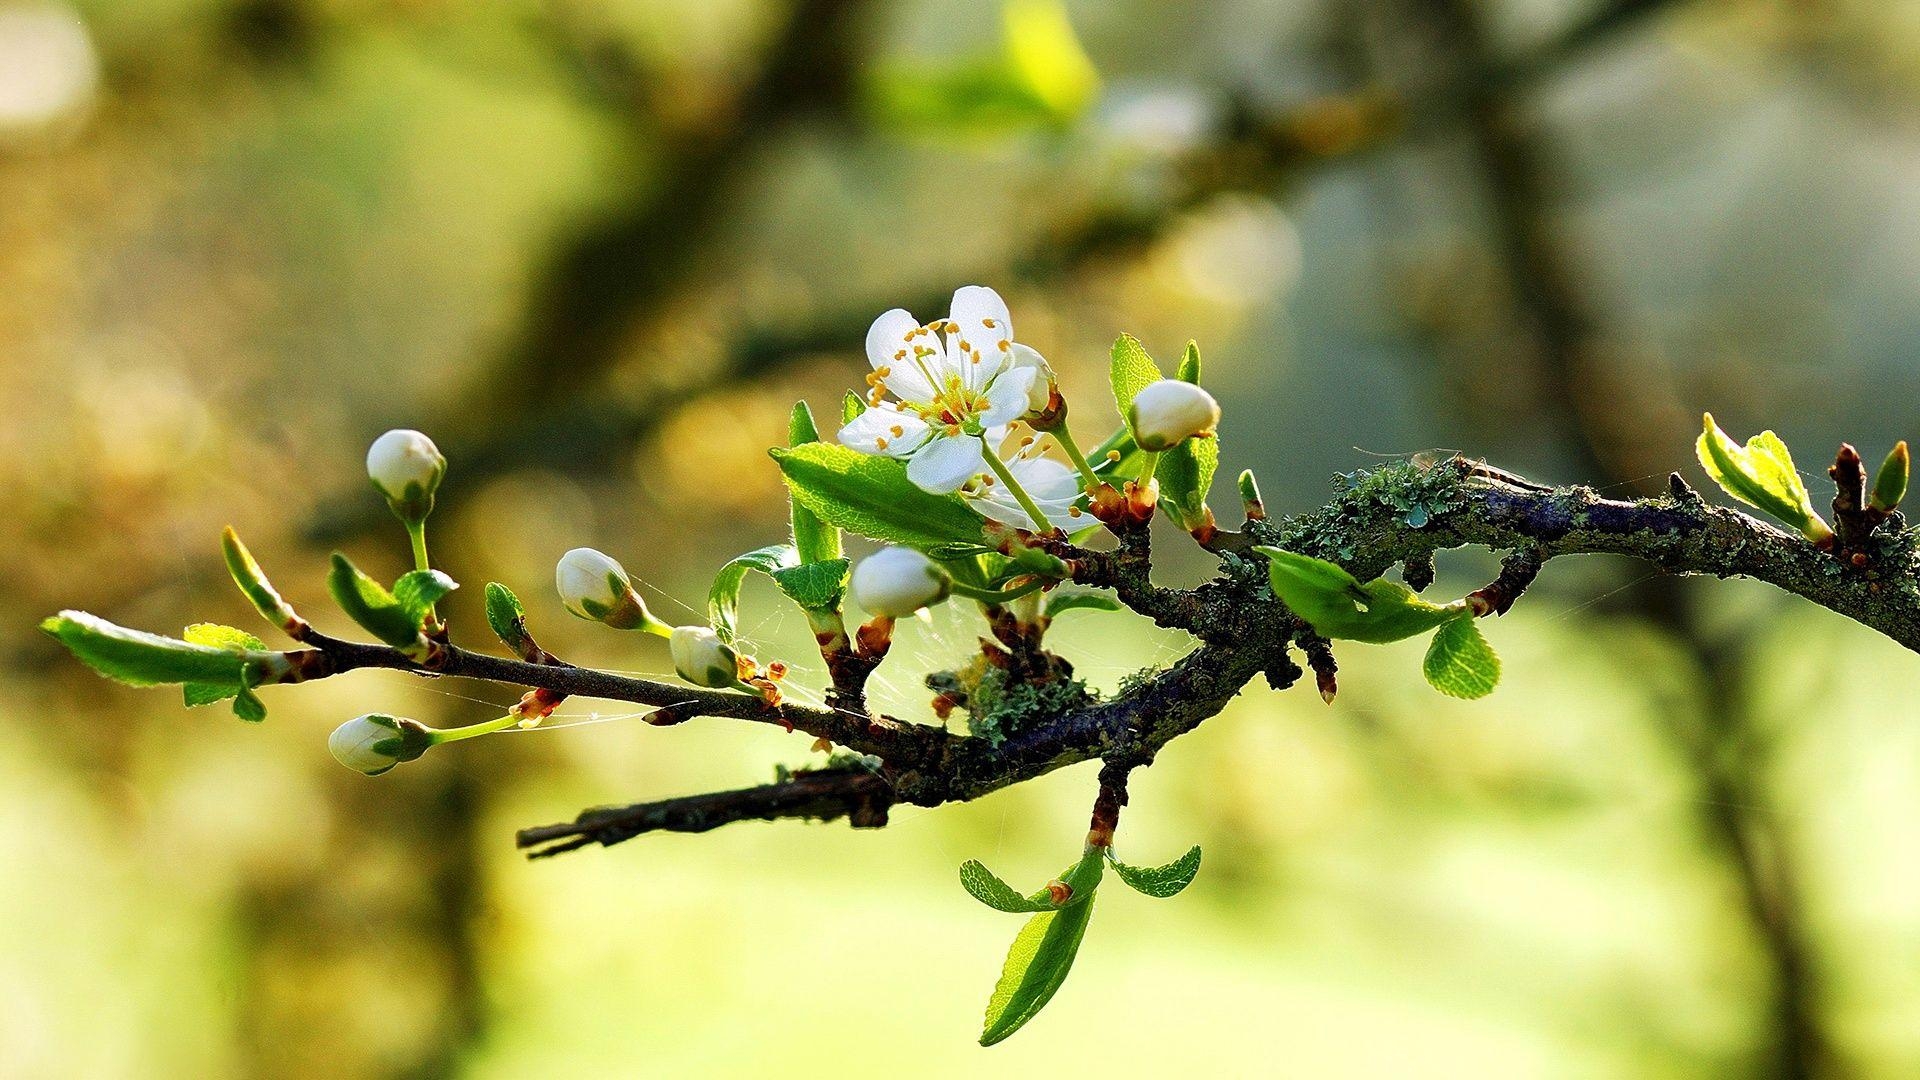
(1053, 487)
(902, 432)
(1045, 479)
(1007, 398)
(947, 462)
(1040, 394)
(986, 329)
(890, 345)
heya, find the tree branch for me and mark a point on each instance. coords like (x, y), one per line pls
(1243, 632)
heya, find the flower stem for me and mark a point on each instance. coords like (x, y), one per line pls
(1149, 461)
(417, 533)
(1040, 522)
(1074, 455)
(485, 727)
(999, 596)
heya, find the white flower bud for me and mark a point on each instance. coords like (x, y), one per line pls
(898, 581)
(374, 743)
(1169, 412)
(594, 586)
(702, 658)
(407, 468)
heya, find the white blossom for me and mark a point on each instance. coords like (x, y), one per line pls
(949, 381)
(1052, 485)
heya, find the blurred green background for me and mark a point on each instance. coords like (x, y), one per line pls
(597, 248)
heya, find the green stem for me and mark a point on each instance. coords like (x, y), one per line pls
(1074, 455)
(1040, 522)
(485, 727)
(417, 533)
(1149, 461)
(999, 596)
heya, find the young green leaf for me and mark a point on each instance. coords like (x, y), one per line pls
(1068, 600)
(1459, 661)
(1159, 881)
(851, 406)
(723, 599)
(248, 706)
(990, 890)
(1890, 484)
(815, 586)
(507, 618)
(138, 658)
(814, 540)
(1186, 471)
(1760, 474)
(368, 603)
(1131, 371)
(219, 637)
(253, 581)
(1042, 955)
(1338, 606)
(872, 496)
(418, 590)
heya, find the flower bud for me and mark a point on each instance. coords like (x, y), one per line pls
(898, 581)
(594, 586)
(702, 658)
(1169, 412)
(407, 468)
(374, 743)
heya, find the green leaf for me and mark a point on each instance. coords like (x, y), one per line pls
(1186, 471)
(1067, 600)
(219, 637)
(507, 617)
(1190, 363)
(1890, 484)
(814, 540)
(1042, 955)
(815, 586)
(1760, 474)
(138, 658)
(418, 590)
(872, 496)
(1338, 606)
(723, 599)
(987, 888)
(253, 581)
(1159, 881)
(368, 603)
(1132, 371)
(248, 706)
(851, 406)
(1459, 661)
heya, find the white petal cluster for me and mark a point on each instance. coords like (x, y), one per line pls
(938, 387)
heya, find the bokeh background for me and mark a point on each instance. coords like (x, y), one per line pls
(597, 248)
